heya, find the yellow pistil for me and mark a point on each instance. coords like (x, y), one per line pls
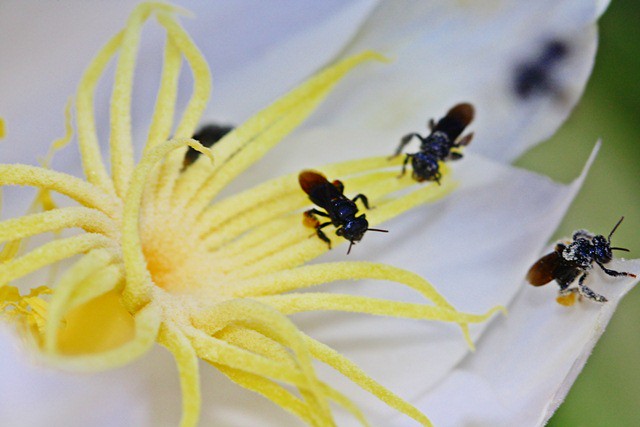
(162, 259)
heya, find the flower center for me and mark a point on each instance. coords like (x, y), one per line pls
(177, 258)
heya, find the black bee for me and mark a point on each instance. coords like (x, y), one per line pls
(342, 211)
(441, 144)
(207, 136)
(535, 77)
(567, 262)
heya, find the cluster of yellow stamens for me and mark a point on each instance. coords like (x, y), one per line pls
(159, 262)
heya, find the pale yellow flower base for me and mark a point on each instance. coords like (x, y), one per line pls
(160, 263)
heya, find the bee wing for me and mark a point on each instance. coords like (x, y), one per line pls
(310, 180)
(541, 272)
(462, 113)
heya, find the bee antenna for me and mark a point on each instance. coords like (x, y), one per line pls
(350, 244)
(614, 229)
(377, 229)
(620, 249)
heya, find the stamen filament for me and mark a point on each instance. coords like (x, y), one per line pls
(350, 370)
(170, 170)
(81, 191)
(277, 188)
(271, 324)
(298, 303)
(272, 391)
(220, 352)
(50, 253)
(120, 110)
(266, 129)
(164, 111)
(90, 220)
(258, 343)
(187, 360)
(92, 162)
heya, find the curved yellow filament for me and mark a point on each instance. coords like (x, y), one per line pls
(187, 360)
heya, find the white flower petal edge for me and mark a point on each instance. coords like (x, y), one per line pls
(526, 363)
(448, 52)
(476, 246)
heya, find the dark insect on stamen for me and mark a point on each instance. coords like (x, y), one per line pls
(337, 207)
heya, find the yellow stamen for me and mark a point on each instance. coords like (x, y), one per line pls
(138, 277)
(187, 361)
(195, 107)
(90, 220)
(50, 253)
(81, 191)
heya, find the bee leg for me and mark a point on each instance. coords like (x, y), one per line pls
(454, 155)
(403, 142)
(613, 272)
(567, 291)
(437, 176)
(404, 165)
(587, 292)
(431, 125)
(314, 211)
(364, 199)
(321, 234)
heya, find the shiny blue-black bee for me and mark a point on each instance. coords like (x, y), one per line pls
(568, 261)
(339, 209)
(441, 144)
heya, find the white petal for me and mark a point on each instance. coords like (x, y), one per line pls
(261, 51)
(475, 246)
(526, 363)
(45, 48)
(32, 395)
(449, 52)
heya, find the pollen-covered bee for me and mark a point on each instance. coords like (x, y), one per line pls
(568, 261)
(207, 135)
(339, 209)
(441, 144)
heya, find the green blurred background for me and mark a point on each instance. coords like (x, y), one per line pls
(607, 393)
